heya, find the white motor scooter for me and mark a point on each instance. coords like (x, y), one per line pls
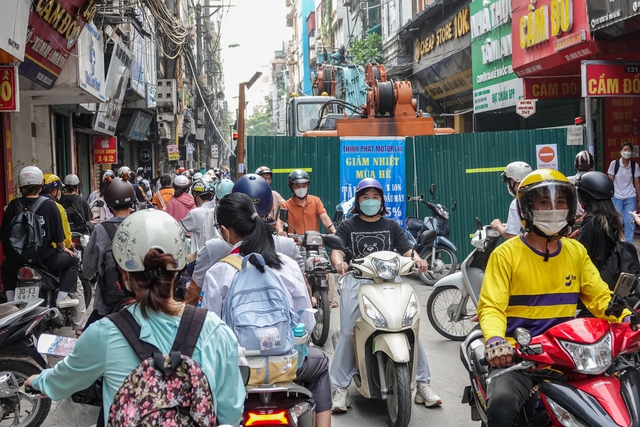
(386, 334)
(453, 301)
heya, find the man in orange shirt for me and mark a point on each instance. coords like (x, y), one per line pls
(162, 196)
(304, 209)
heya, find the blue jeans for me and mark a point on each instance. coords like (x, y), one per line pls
(623, 207)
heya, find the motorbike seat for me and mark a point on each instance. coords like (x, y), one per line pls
(476, 356)
(7, 310)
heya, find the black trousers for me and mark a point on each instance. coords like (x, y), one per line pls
(314, 375)
(54, 260)
(507, 395)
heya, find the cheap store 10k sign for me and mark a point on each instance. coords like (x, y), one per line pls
(105, 150)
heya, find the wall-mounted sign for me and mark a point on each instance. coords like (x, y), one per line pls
(607, 79)
(549, 33)
(455, 28)
(552, 87)
(9, 88)
(13, 30)
(621, 124)
(117, 77)
(173, 151)
(526, 107)
(547, 156)
(54, 27)
(605, 13)
(91, 62)
(105, 150)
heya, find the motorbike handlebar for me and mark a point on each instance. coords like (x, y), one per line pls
(31, 390)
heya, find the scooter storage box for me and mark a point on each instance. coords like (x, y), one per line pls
(272, 369)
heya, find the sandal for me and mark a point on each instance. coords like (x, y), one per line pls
(334, 304)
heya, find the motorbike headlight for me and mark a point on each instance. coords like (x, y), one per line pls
(565, 417)
(411, 311)
(370, 310)
(313, 239)
(592, 359)
(386, 269)
(442, 211)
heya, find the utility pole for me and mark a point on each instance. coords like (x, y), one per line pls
(241, 167)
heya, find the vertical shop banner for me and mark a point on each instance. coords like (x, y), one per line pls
(145, 158)
(105, 150)
(379, 158)
(621, 124)
(54, 28)
(9, 89)
(90, 52)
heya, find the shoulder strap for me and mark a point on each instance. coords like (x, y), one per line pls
(616, 168)
(633, 171)
(36, 205)
(161, 200)
(110, 228)
(233, 260)
(128, 326)
(189, 330)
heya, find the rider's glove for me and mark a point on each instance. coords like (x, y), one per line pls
(498, 352)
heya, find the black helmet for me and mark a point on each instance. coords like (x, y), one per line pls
(119, 193)
(258, 189)
(594, 185)
(298, 176)
(583, 161)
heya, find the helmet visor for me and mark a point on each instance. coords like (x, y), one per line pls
(547, 196)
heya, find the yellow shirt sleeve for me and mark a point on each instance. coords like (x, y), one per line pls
(66, 228)
(494, 296)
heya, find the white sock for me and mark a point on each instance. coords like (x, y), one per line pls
(62, 295)
(11, 295)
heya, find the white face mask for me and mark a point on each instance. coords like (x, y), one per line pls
(301, 192)
(626, 154)
(550, 222)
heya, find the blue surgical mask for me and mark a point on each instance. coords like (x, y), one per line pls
(370, 207)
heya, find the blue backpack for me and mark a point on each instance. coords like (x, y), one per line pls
(257, 309)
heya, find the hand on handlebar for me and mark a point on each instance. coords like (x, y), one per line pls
(341, 268)
(423, 265)
(498, 353)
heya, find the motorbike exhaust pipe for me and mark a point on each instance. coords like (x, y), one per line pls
(55, 317)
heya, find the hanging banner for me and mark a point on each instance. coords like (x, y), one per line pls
(105, 150)
(173, 151)
(9, 83)
(379, 158)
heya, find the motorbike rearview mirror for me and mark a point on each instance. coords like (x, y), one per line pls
(284, 215)
(479, 225)
(625, 284)
(55, 345)
(333, 242)
(337, 216)
(427, 237)
(245, 374)
(453, 207)
(432, 189)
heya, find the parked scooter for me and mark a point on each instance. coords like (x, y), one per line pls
(386, 334)
(18, 361)
(441, 253)
(453, 301)
(583, 379)
(317, 267)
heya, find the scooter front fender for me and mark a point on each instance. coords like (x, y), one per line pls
(395, 345)
(453, 279)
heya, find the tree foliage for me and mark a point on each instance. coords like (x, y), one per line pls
(259, 123)
(368, 50)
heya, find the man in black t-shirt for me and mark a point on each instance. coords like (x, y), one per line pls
(55, 256)
(77, 207)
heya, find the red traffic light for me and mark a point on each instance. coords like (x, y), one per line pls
(235, 136)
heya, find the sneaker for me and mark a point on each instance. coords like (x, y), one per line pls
(67, 302)
(340, 400)
(426, 395)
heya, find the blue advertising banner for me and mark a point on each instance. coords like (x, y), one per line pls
(379, 158)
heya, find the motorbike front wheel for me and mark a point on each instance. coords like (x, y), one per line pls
(323, 317)
(33, 412)
(397, 377)
(445, 264)
(442, 308)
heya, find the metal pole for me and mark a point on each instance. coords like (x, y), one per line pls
(240, 169)
(589, 118)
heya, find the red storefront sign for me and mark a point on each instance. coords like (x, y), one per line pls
(105, 150)
(610, 79)
(621, 124)
(551, 87)
(54, 27)
(9, 99)
(548, 34)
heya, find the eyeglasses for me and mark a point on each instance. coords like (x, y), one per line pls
(217, 226)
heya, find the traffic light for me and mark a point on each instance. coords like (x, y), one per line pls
(235, 136)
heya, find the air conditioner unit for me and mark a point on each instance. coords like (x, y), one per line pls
(167, 94)
(165, 117)
(164, 130)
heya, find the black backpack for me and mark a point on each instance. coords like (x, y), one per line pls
(110, 281)
(25, 232)
(623, 258)
(74, 214)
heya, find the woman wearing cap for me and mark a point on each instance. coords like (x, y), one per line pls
(149, 248)
(365, 233)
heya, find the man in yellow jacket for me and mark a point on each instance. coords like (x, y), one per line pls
(534, 281)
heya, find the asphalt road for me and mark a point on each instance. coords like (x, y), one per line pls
(448, 380)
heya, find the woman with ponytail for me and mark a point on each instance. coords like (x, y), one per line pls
(149, 248)
(246, 232)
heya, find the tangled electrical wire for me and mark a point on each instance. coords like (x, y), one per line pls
(346, 105)
(171, 27)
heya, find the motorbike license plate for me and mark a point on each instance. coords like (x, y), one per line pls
(27, 293)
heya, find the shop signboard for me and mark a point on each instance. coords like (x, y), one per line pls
(610, 79)
(90, 51)
(105, 150)
(432, 45)
(495, 85)
(621, 124)
(9, 89)
(173, 152)
(53, 30)
(379, 158)
(549, 34)
(526, 107)
(145, 157)
(552, 87)
(13, 30)
(117, 78)
(604, 13)
(138, 72)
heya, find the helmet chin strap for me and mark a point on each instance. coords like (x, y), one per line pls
(556, 236)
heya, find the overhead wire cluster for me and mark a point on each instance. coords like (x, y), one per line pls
(171, 27)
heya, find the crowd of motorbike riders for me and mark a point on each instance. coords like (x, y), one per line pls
(147, 224)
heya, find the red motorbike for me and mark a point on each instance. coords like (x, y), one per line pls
(586, 369)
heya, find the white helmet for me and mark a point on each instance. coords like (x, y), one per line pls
(181, 182)
(123, 170)
(516, 171)
(149, 229)
(71, 179)
(30, 175)
(197, 175)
